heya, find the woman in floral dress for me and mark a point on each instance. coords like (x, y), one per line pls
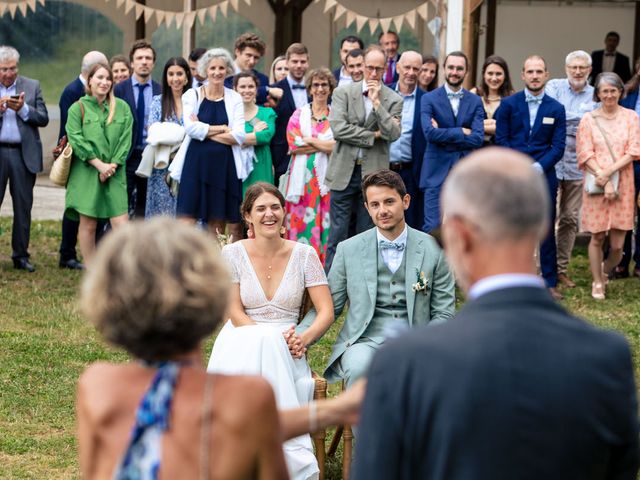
(310, 141)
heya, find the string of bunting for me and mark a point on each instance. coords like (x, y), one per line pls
(23, 7)
(385, 23)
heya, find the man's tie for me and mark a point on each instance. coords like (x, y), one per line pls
(534, 100)
(384, 245)
(609, 54)
(388, 76)
(140, 108)
(298, 86)
(453, 95)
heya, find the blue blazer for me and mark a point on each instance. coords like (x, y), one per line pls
(70, 95)
(630, 100)
(261, 96)
(447, 144)
(279, 147)
(124, 90)
(546, 141)
(418, 142)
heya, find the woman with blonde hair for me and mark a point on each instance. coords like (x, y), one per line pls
(99, 131)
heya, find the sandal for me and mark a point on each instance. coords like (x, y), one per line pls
(597, 291)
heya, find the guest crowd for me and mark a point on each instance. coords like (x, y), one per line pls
(328, 189)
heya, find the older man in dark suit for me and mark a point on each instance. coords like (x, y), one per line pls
(514, 387)
(22, 111)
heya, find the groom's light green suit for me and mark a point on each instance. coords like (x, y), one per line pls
(380, 300)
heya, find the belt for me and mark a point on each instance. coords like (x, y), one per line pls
(9, 145)
(359, 161)
(397, 166)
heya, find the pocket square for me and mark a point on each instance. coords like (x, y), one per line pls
(548, 120)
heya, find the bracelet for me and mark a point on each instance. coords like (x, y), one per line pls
(313, 417)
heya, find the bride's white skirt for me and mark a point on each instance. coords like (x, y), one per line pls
(261, 350)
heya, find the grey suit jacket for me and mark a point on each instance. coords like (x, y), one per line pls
(352, 132)
(354, 277)
(38, 117)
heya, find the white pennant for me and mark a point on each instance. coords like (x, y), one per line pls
(411, 18)
(139, 11)
(3, 8)
(119, 3)
(423, 10)
(148, 14)
(224, 6)
(23, 8)
(373, 24)
(398, 21)
(12, 9)
(329, 5)
(32, 5)
(351, 17)
(234, 4)
(189, 19)
(385, 23)
(179, 19)
(213, 12)
(360, 21)
(129, 4)
(159, 16)
(41, 2)
(168, 18)
(202, 13)
(338, 12)
(248, 2)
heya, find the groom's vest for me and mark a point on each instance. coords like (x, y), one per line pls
(391, 302)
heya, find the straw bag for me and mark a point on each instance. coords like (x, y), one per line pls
(63, 154)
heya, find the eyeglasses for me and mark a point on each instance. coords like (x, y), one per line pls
(320, 85)
(372, 69)
(8, 69)
(575, 68)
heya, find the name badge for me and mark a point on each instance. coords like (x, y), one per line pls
(548, 120)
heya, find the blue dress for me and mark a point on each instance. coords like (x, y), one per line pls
(209, 186)
(160, 201)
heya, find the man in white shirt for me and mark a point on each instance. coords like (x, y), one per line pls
(348, 43)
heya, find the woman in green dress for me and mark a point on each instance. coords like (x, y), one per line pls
(260, 125)
(99, 131)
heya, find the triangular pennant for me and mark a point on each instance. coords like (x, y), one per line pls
(410, 16)
(3, 8)
(179, 19)
(339, 11)
(373, 24)
(139, 10)
(41, 2)
(119, 3)
(234, 4)
(385, 23)
(351, 17)
(128, 5)
(168, 18)
(12, 9)
(32, 5)
(23, 8)
(159, 16)
(148, 14)
(398, 22)
(248, 2)
(423, 10)
(329, 5)
(189, 19)
(213, 12)
(360, 21)
(202, 13)
(224, 6)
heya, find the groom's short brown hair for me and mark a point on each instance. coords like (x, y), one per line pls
(384, 178)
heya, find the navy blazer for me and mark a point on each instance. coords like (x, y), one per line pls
(70, 95)
(261, 97)
(513, 387)
(124, 90)
(418, 142)
(336, 74)
(447, 144)
(545, 142)
(630, 100)
(279, 146)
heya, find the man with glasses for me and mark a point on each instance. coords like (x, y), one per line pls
(365, 119)
(452, 122)
(575, 93)
(22, 111)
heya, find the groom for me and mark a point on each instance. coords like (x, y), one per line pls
(393, 276)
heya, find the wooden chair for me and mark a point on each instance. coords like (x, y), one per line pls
(344, 432)
(319, 437)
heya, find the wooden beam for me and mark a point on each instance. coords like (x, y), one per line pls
(490, 41)
(188, 34)
(141, 27)
(288, 28)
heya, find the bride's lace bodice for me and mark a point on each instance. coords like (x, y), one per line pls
(303, 270)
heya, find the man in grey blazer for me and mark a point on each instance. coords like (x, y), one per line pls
(22, 111)
(365, 119)
(393, 276)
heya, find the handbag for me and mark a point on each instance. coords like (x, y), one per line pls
(62, 156)
(590, 185)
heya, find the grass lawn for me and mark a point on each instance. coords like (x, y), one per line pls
(45, 346)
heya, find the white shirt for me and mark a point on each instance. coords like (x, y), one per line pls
(608, 61)
(345, 78)
(299, 94)
(392, 258)
(506, 280)
(368, 104)
(455, 102)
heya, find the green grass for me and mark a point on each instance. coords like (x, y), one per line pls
(46, 345)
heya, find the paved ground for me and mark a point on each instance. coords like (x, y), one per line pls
(48, 201)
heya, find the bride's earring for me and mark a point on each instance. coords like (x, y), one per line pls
(283, 230)
(250, 233)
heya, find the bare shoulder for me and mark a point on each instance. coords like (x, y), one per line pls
(240, 400)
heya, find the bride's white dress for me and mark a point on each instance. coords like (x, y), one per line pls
(261, 349)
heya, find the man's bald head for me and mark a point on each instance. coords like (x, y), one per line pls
(497, 190)
(408, 68)
(90, 59)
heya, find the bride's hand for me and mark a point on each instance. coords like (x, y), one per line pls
(294, 342)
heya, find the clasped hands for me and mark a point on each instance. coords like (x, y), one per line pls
(603, 179)
(9, 101)
(106, 170)
(297, 348)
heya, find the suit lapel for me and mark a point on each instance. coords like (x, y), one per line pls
(444, 98)
(524, 115)
(463, 107)
(357, 100)
(370, 263)
(414, 255)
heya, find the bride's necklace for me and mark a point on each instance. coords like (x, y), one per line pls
(269, 266)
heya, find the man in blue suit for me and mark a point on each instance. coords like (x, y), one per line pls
(406, 153)
(72, 93)
(452, 122)
(294, 95)
(535, 124)
(138, 91)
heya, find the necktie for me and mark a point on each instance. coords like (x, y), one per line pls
(298, 86)
(388, 76)
(140, 110)
(609, 54)
(365, 93)
(453, 95)
(384, 245)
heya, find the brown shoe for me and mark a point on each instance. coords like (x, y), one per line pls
(555, 294)
(565, 281)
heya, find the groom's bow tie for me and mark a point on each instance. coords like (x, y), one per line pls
(453, 95)
(384, 245)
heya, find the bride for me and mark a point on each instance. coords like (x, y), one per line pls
(270, 275)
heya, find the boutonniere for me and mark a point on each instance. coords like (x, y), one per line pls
(422, 284)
